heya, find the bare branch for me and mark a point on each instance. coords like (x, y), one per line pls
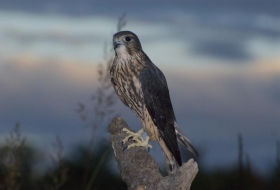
(140, 171)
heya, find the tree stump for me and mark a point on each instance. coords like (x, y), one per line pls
(140, 171)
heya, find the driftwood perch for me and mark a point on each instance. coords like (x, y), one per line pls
(140, 171)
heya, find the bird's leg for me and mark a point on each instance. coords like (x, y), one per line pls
(137, 137)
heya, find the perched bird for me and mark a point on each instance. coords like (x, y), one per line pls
(142, 87)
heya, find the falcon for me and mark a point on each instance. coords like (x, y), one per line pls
(142, 87)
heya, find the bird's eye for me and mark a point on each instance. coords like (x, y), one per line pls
(127, 38)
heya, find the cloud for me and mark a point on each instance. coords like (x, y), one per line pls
(34, 89)
(226, 33)
(223, 50)
(274, 90)
(228, 89)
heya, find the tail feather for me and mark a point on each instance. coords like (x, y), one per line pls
(171, 163)
(185, 142)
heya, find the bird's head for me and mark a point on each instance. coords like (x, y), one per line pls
(126, 42)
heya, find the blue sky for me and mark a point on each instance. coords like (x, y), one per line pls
(221, 60)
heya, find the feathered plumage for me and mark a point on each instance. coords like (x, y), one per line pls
(143, 88)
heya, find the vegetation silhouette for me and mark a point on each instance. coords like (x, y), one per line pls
(18, 159)
(239, 176)
(100, 168)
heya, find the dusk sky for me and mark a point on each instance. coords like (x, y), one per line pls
(221, 59)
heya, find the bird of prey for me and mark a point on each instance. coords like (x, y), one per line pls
(142, 87)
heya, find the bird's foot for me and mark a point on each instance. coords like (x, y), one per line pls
(133, 135)
(137, 137)
(142, 143)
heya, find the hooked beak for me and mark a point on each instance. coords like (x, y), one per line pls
(116, 44)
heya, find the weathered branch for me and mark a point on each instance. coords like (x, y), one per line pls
(140, 171)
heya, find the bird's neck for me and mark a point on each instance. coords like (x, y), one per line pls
(130, 61)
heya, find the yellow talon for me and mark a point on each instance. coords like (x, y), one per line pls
(137, 137)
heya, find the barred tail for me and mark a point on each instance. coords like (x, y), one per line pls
(171, 163)
(185, 142)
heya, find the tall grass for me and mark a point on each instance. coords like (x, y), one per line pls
(102, 103)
